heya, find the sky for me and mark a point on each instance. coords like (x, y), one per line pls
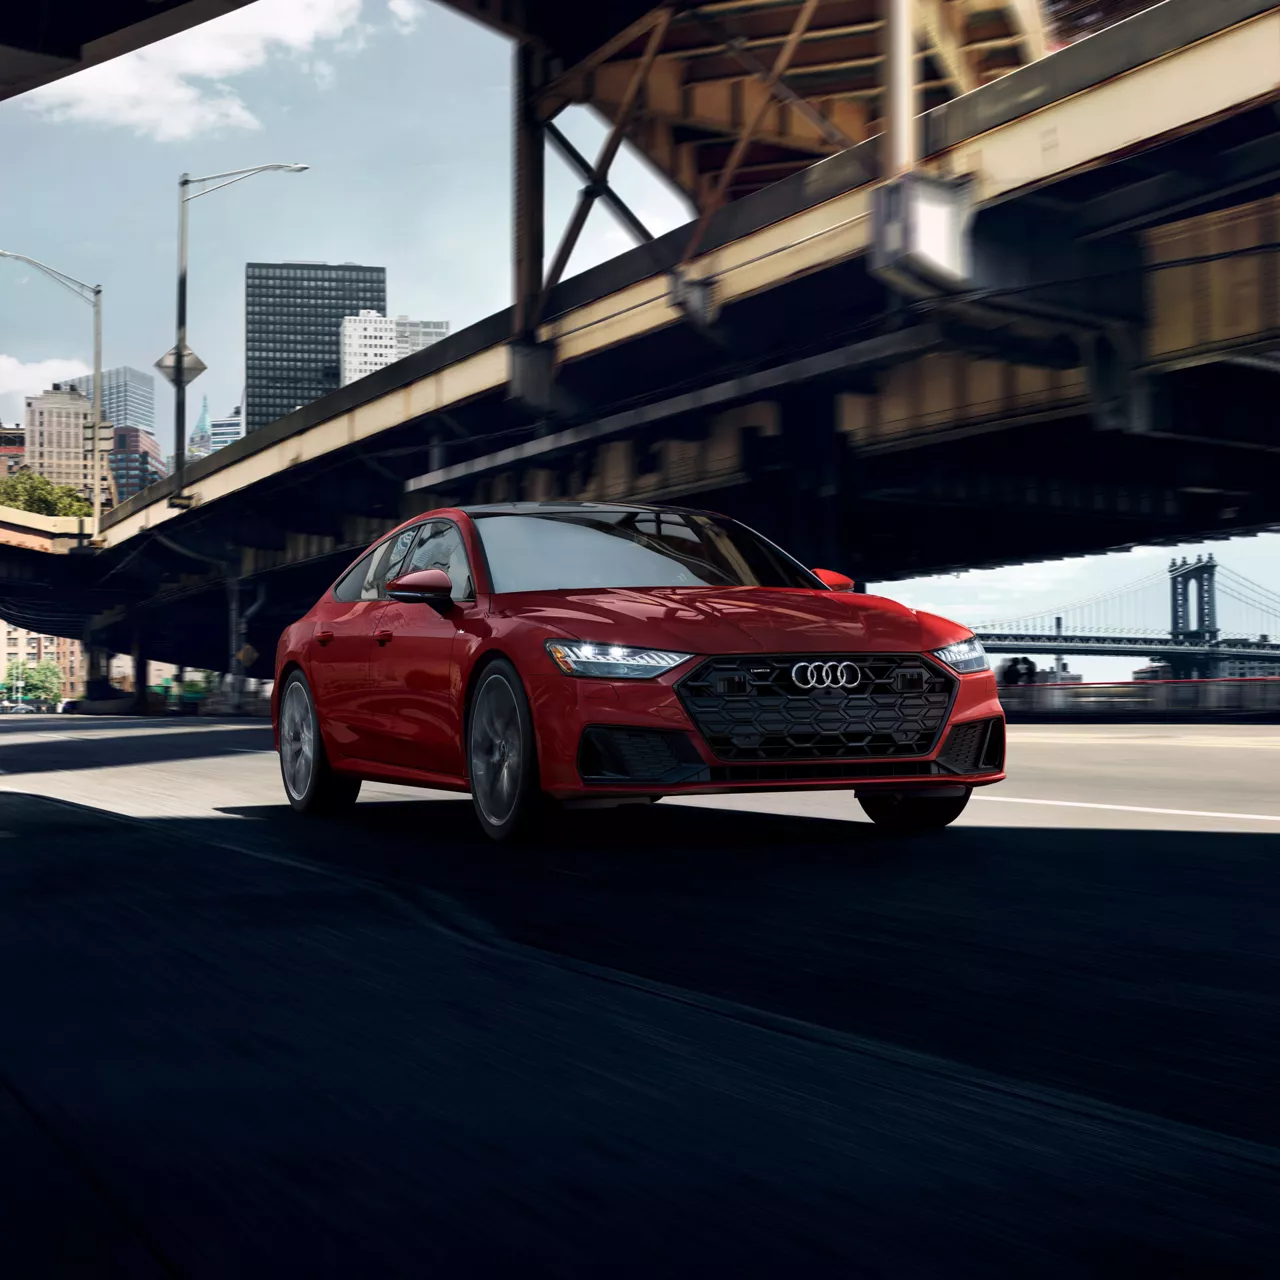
(402, 110)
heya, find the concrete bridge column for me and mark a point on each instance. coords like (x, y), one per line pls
(97, 678)
(814, 481)
(141, 674)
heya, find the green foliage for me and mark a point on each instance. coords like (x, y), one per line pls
(40, 683)
(198, 683)
(29, 492)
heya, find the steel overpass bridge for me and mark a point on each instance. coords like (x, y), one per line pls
(1101, 373)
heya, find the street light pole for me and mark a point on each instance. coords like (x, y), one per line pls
(92, 294)
(179, 373)
(97, 409)
(185, 197)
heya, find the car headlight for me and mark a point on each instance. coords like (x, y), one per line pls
(964, 655)
(612, 661)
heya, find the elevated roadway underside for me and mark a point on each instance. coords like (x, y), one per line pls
(44, 40)
(1115, 386)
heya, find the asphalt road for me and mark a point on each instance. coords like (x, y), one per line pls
(731, 1037)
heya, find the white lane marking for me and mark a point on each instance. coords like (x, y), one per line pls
(127, 734)
(1139, 740)
(1134, 808)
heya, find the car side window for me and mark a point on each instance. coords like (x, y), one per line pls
(376, 577)
(399, 549)
(351, 584)
(440, 547)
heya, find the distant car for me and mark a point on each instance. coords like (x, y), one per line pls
(535, 653)
(20, 709)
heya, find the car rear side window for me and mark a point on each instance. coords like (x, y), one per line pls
(351, 583)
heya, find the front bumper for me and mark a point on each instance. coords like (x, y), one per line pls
(598, 739)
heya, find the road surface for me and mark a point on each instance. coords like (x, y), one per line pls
(725, 1037)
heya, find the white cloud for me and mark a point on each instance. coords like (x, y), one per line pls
(18, 380)
(175, 89)
(405, 13)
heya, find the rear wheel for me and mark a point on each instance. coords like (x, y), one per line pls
(919, 812)
(309, 780)
(502, 759)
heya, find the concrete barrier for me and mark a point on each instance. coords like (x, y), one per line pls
(1170, 701)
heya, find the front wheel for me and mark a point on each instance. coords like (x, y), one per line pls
(309, 780)
(918, 812)
(502, 759)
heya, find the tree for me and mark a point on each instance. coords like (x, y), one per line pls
(27, 491)
(39, 683)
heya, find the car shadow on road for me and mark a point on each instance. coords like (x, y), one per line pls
(1131, 965)
(100, 750)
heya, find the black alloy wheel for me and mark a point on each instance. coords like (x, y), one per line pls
(502, 759)
(310, 782)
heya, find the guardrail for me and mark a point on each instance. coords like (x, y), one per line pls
(1255, 699)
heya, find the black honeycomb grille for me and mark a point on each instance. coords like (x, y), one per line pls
(751, 708)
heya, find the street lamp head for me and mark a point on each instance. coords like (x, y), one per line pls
(296, 168)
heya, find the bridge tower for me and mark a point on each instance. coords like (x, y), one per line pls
(1194, 620)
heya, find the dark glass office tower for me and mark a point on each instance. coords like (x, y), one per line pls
(293, 328)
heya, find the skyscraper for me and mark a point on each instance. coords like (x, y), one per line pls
(293, 326)
(368, 343)
(371, 341)
(225, 431)
(200, 441)
(56, 422)
(128, 396)
(413, 335)
(135, 460)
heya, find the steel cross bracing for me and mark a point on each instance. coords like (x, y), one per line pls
(724, 98)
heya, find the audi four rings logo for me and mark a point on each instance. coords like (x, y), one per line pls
(826, 675)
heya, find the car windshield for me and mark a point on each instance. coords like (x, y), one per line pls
(571, 550)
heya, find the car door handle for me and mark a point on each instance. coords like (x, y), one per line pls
(323, 637)
(383, 636)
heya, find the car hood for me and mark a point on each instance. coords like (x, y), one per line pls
(727, 619)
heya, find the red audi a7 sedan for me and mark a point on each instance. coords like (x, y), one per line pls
(598, 653)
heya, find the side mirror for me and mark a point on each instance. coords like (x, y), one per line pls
(426, 586)
(836, 581)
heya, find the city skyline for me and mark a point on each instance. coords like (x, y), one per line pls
(350, 88)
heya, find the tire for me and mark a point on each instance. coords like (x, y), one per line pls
(310, 782)
(502, 756)
(907, 813)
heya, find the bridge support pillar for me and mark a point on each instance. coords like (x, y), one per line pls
(529, 154)
(815, 480)
(141, 675)
(238, 619)
(97, 679)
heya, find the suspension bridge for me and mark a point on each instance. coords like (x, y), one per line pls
(1196, 616)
